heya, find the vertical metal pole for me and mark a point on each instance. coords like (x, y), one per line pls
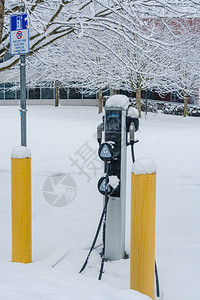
(146, 102)
(23, 98)
(56, 94)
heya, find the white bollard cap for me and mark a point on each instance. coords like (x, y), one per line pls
(20, 152)
(144, 165)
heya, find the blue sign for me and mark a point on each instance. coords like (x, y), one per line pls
(18, 22)
(19, 34)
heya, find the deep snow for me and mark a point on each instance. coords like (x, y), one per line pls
(57, 138)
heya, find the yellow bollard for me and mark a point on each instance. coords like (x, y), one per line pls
(21, 205)
(142, 249)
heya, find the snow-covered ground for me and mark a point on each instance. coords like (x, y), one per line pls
(57, 138)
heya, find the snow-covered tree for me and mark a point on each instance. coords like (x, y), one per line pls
(130, 45)
(48, 21)
(51, 20)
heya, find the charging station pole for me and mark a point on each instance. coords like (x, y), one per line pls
(119, 125)
(115, 131)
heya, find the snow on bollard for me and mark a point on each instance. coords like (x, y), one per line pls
(142, 249)
(21, 205)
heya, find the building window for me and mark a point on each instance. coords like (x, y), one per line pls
(89, 96)
(106, 92)
(9, 92)
(63, 92)
(47, 93)
(1, 91)
(34, 93)
(74, 94)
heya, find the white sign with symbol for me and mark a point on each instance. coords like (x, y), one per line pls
(19, 34)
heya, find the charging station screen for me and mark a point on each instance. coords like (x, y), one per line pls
(113, 121)
(113, 133)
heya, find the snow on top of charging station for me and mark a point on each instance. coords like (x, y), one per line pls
(113, 181)
(20, 152)
(133, 112)
(144, 166)
(118, 101)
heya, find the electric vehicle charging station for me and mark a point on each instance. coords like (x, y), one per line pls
(115, 124)
(119, 129)
(119, 125)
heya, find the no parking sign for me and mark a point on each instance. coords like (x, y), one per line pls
(19, 34)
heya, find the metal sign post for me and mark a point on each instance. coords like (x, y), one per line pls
(23, 99)
(19, 45)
